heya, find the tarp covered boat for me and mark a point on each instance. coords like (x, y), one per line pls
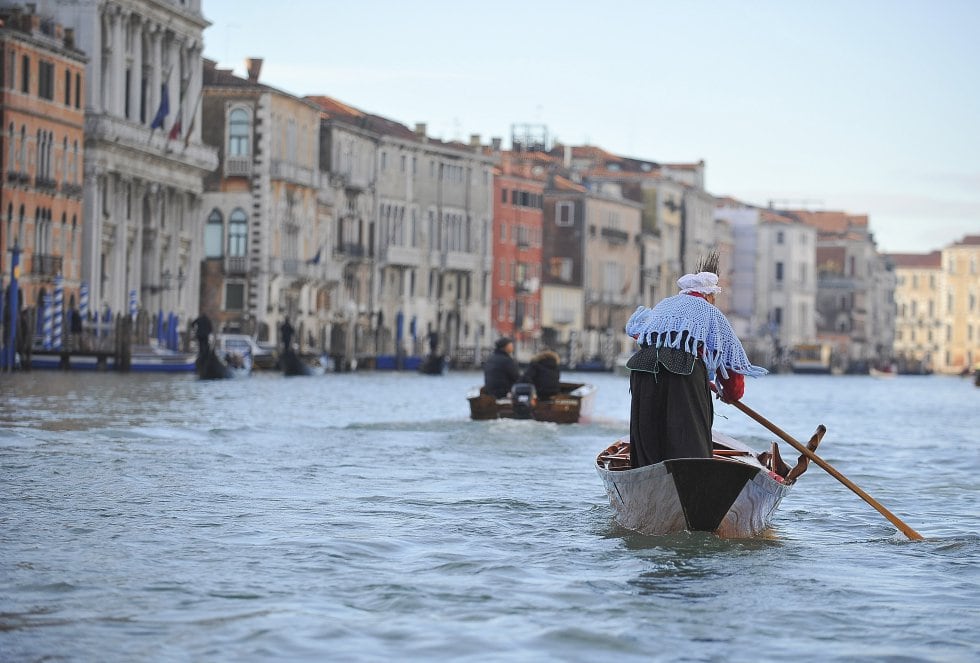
(734, 494)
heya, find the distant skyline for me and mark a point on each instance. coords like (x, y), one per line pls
(869, 107)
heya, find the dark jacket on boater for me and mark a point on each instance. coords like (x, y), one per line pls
(500, 373)
(544, 374)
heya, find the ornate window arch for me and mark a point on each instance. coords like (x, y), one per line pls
(214, 235)
(238, 233)
(239, 132)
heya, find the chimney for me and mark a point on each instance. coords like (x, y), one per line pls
(420, 129)
(253, 66)
(474, 140)
(567, 157)
(69, 37)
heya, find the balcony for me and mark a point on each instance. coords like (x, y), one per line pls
(45, 184)
(236, 265)
(352, 250)
(292, 173)
(614, 236)
(45, 265)
(71, 190)
(461, 262)
(408, 256)
(121, 133)
(238, 166)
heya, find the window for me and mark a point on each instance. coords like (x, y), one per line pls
(561, 269)
(214, 233)
(78, 90)
(25, 75)
(234, 296)
(779, 237)
(237, 233)
(564, 214)
(503, 195)
(45, 80)
(67, 88)
(238, 133)
(779, 271)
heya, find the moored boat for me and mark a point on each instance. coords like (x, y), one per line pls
(572, 404)
(215, 367)
(733, 494)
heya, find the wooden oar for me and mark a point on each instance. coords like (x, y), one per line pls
(906, 530)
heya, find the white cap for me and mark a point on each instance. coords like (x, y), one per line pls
(705, 283)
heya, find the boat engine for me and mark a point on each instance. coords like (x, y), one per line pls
(523, 399)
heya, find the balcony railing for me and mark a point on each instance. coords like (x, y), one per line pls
(45, 265)
(236, 265)
(238, 166)
(615, 236)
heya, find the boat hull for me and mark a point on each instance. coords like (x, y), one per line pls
(731, 498)
(572, 405)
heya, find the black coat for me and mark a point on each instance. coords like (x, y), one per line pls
(500, 373)
(544, 374)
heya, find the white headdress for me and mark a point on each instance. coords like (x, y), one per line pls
(704, 282)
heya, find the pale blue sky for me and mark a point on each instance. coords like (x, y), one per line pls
(866, 106)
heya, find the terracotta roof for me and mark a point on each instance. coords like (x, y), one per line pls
(334, 109)
(564, 184)
(969, 240)
(917, 260)
(828, 221)
(772, 216)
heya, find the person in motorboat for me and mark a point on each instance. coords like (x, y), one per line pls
(501, 371)
(543, 372)
(685, 343)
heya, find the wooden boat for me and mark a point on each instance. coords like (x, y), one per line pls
(215, 367)
(572, 404)
(293, 365)
(734, 494)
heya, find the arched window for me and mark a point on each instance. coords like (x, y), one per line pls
(238, 133)
(237, 233)
(214, 234)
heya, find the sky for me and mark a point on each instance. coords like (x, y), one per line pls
(864, 106)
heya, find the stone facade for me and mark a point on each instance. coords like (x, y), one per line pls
(144, 162)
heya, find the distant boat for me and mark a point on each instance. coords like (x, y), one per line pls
(886, 373)
(143, 359)
(811, 358)
(218, 367)
(733, 494)
(294, 365)
(572, 404)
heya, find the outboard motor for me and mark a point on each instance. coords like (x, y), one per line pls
(523, 399)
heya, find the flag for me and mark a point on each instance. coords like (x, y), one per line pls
(175, 130)
(315, 260)
(164, 109)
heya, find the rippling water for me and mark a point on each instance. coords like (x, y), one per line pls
(364, 517)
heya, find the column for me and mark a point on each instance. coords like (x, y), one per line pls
(156, 73)
(117, 87)
(136, 68)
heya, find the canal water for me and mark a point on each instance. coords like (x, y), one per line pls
(363, 517)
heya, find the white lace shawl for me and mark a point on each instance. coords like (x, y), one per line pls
(704, 323)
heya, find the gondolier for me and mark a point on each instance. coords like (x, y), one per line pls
(685, 342)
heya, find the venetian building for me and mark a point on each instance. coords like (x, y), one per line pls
(144, 162)
(412, 236)
(919, 329)
(519, 184)
(267, 236)
(851, 290)
(41, 113)
(773, 280)
(959, 304)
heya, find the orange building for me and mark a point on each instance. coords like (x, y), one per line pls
(518, 213)
(42, 119)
